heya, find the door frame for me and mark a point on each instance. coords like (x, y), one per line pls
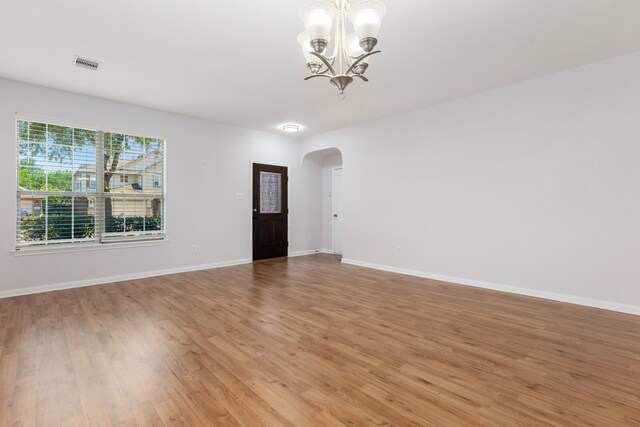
(254, 202)
(333, 223)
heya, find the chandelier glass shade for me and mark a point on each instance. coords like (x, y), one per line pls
(345, 56)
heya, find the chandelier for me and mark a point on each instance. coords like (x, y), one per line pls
(349, 57)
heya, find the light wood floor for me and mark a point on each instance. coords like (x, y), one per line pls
(307, 341)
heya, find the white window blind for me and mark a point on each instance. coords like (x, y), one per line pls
(78, 186)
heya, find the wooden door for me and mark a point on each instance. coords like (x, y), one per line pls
(270, 211)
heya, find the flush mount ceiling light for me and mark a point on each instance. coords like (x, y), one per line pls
(350, 53)
(290, 128)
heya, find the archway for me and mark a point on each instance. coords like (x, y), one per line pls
(327, 164)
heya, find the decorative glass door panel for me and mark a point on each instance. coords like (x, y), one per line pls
(270, 192)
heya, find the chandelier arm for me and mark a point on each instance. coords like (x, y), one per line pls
(362, 77)
(357, 61)
(326, 62)
(317, 75)
(325, 69)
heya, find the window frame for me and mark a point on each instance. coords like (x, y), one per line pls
(103, 239)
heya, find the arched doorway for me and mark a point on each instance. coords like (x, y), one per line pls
(330, 163)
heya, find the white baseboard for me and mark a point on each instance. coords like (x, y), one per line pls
(303, 253)
(311, 252)
(589, 302)
(121, 278)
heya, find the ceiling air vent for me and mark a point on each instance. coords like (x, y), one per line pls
(86, 63)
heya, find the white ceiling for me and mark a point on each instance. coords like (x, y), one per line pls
(238, 62)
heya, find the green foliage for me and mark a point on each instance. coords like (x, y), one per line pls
(116, 224)
(58, 227)
(33, 177)
(59, 205)
(30, 176)
(40, 143)
(57, 142)
(60, 181)
(32, 229)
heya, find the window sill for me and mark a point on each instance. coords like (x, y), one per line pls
(86, 247)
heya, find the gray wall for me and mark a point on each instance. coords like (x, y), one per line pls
(533, 188)
(207, 164)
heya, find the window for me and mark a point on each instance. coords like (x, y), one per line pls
(73, 186)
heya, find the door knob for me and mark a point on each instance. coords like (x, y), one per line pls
(335, 215)
(255, 210)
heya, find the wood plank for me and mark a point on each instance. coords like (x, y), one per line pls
(308, 341)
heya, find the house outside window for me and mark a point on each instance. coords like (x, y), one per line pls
(81, 186)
